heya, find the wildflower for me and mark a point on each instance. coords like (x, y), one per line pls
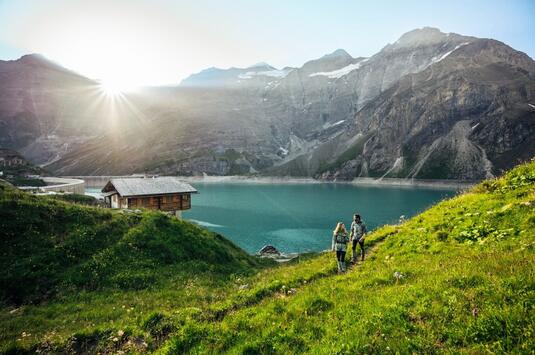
(120, 333)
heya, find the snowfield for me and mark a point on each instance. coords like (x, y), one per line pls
(272, 73)
(336, 74)
(439, 58)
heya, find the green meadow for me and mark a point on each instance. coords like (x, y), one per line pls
(459, 277)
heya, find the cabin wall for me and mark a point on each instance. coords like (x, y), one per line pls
(175, 202)
(114, 201)
(123, 201)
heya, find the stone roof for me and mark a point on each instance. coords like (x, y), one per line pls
(148, 186)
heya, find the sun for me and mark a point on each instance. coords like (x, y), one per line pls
(113, 88)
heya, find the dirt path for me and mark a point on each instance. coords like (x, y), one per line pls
(219, 314)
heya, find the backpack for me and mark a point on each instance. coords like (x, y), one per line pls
(341, 238)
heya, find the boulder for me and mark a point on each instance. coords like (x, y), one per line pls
(269, 250)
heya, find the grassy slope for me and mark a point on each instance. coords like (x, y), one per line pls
(468, 285)
(66, 264)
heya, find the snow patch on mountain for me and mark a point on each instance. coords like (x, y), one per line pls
(329, 125)
(336, 74)
(271, 73)
(339, 122)
(441, 57)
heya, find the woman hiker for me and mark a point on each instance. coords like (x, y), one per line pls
(339, 244)
(358, 232)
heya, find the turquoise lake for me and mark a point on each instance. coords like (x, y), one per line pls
(300, 217)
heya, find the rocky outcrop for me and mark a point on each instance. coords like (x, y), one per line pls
(270, 252)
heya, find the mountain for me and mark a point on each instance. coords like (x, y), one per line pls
(407, 111)
(457, 278)
(216, 77)
(47, 110)
(466, 116)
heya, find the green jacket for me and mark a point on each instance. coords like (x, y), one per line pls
(340, 241)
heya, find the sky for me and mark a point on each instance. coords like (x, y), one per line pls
(159, 42)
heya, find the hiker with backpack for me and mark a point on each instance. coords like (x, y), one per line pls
(358, 232)
(339, 245)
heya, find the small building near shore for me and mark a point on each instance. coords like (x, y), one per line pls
(165, 193)
(10, 158)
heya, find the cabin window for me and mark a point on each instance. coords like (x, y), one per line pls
(146, 201)
(185, 197)
(169, 199)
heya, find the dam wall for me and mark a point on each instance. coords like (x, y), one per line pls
(95, 181)
(59, 185)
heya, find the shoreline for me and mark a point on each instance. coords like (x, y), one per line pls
(393, 182)
(99, 181)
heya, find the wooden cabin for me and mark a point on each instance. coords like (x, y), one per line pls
(165, 193)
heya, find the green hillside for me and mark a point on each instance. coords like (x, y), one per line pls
(83, 279)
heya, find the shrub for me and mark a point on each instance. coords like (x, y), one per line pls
(158, 325)
(441, 236)
(76, 198)
(318, 305)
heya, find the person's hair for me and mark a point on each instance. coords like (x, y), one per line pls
(356, 215)
(339, 227)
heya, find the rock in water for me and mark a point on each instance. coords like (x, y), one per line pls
(268, 250)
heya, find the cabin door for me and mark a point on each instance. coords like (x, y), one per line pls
(159, 199)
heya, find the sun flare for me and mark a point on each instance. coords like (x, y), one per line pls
(112, 88)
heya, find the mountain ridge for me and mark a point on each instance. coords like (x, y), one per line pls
(305, 121)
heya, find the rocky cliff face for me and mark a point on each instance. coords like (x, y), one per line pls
(464, 117)
(430, 105)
